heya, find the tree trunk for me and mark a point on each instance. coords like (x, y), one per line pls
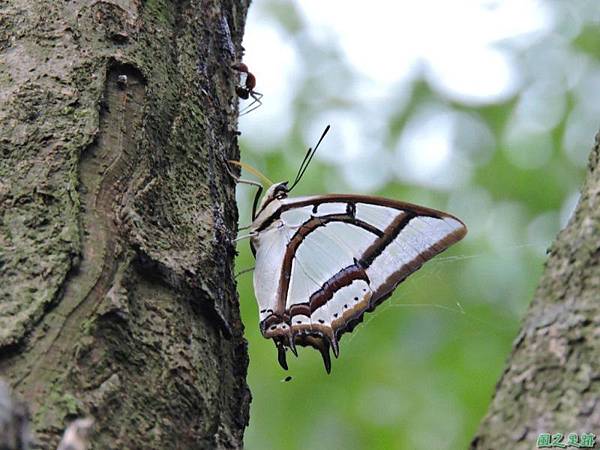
(117, 298)
(552, 380)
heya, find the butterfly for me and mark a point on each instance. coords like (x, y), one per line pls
(322, 261)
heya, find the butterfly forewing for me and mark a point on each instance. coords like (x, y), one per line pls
(322, 261)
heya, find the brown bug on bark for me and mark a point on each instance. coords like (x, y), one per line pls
(246, 89)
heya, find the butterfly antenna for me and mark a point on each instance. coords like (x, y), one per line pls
(307, 159)
(308, 153)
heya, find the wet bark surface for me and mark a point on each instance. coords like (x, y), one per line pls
(117, 215)
(551, 383)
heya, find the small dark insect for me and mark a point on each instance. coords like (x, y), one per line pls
(288, 378)
(246, 89)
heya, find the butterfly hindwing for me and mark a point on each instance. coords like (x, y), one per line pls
(323, 261)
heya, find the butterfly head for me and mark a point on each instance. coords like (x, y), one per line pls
(277, 191)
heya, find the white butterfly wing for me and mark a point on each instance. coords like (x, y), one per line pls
(323, 261)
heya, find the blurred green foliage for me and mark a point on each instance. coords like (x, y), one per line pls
(420, 371)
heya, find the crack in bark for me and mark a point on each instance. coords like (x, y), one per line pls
(102, 169)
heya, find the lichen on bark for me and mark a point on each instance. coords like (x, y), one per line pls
(117, 298)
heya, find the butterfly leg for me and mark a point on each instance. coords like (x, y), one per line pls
(242, 272)
(245, 236)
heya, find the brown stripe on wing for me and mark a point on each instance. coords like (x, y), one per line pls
(344, 277)
(389, 235)
(355, 305)
(387, 287)
(303, 231)
(354, 199)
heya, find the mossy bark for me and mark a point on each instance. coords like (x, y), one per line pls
(551, 383)
(117, 215)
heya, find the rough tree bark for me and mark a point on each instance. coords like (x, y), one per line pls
(551, 383)
(117, 298)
